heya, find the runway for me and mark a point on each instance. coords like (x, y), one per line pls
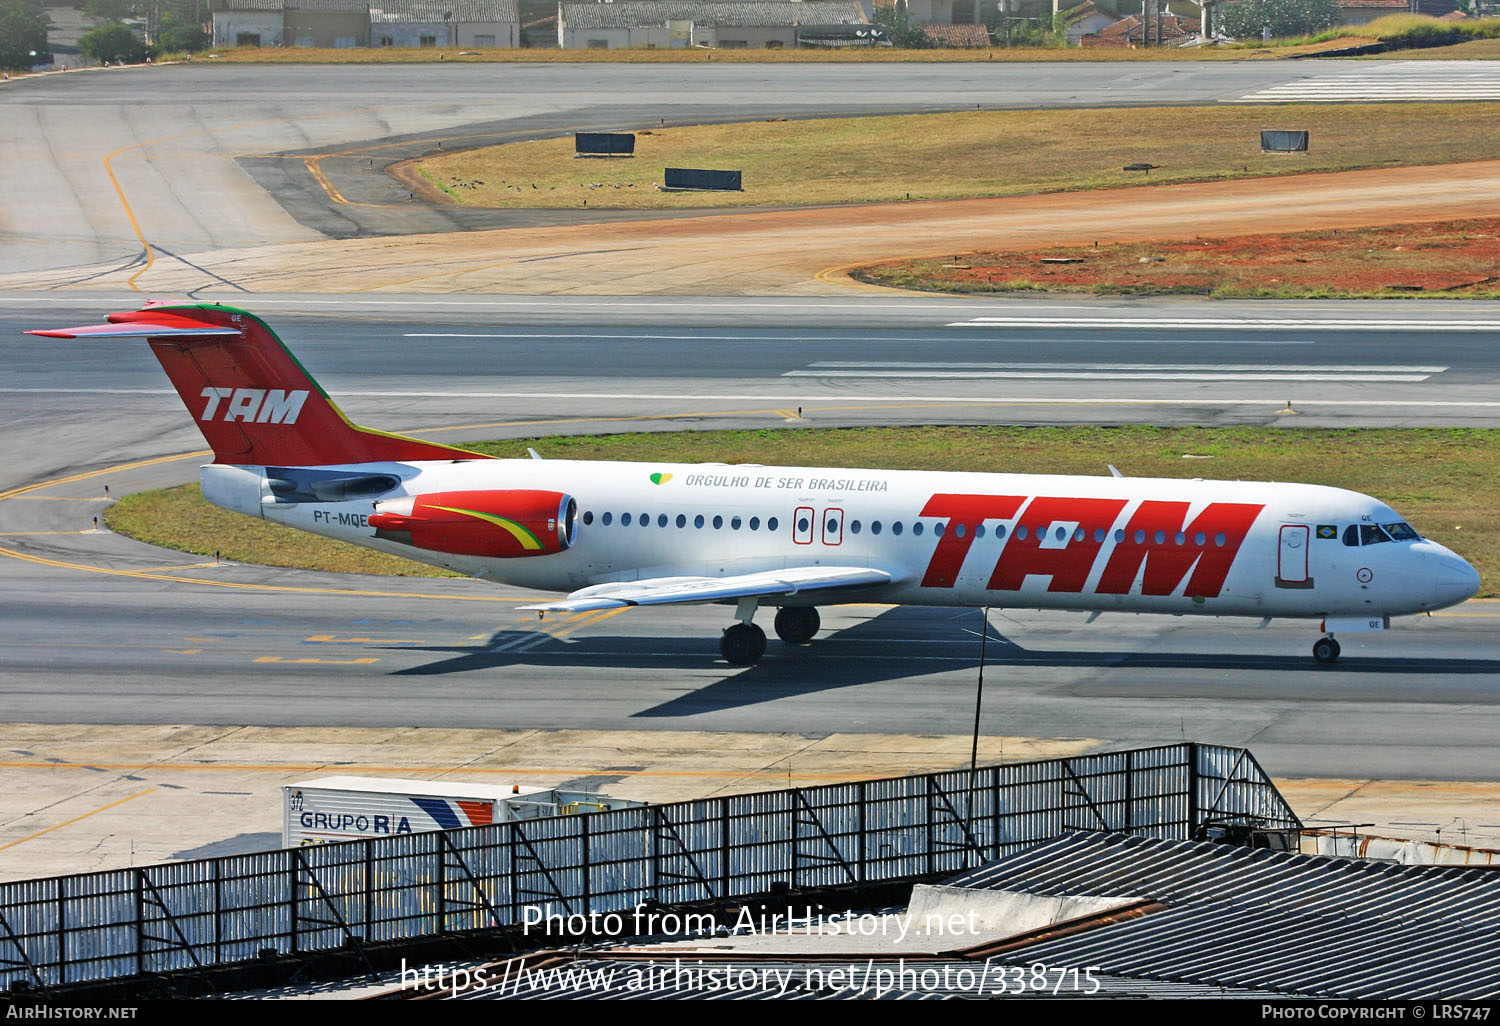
(107, 630)
(498, 364)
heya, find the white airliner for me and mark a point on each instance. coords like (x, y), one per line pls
(638, 534)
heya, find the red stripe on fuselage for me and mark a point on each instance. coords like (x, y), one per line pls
(1068, 561)
(1168, 562)
(969, 511)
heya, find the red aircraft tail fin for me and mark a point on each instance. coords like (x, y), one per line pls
(251, 398)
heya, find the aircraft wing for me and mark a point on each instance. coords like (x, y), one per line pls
(667, 590)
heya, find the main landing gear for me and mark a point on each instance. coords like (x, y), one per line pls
(796, 625)
(1326, 650)
(743, 643)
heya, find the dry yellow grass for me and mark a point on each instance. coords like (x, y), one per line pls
(970, 153)
(180, 518)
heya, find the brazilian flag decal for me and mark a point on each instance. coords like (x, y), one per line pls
(1328, 531)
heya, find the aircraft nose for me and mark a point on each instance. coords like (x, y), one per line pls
(1455, 580)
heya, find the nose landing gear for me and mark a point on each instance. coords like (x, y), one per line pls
(1326, 650)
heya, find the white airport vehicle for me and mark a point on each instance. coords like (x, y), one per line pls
(347, 808)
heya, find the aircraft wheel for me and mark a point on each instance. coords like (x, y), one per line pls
(742, 644)
(1326, 650)
(796, 625)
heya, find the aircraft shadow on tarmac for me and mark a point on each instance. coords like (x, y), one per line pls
(869, 652)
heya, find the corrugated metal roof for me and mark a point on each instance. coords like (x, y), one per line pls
(246, 5)
(740, 14)
(432, 11)
(386, 11)
(326, 7)
(1300, 924)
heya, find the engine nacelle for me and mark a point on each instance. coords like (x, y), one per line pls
(501, 524)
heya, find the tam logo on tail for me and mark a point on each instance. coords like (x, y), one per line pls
(254, 405)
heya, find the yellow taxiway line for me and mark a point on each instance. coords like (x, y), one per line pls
(75, 819)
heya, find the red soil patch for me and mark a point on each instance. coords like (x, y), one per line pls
(1448, 258)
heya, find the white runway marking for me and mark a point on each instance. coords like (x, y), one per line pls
(1400, 80)
(1189, 324)
(1114, 371)
(802, 339)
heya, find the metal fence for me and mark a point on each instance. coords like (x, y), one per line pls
(185, 915)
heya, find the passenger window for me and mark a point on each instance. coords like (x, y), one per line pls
(896, 528)
(588, 517)
(771, 524)
(734, 525)
(803, 525)
(875, 527)
(624, 519)
(661, 520)
(979, 531)
(999, 530)
(698, 520)
(961, 531)
(916, 529)
(1021, 531)
(937, 528)
(718, 523)
(755, 524)
(1220, 540)
(606, 519)
(1119, 536)
(854, 527)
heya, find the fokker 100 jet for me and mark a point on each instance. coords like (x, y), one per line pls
(613, 534)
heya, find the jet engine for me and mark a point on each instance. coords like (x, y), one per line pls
(502, 524)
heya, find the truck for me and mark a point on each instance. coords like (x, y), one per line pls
(346, 808)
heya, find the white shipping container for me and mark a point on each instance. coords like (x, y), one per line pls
(333, 809)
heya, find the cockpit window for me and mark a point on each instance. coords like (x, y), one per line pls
(1370, 534)
(1401, 532)
(1351, 535)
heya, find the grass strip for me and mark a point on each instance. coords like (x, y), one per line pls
(965, 154)
(1442, 480)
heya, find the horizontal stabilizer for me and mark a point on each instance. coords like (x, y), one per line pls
(669, 590)
(146, 323)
